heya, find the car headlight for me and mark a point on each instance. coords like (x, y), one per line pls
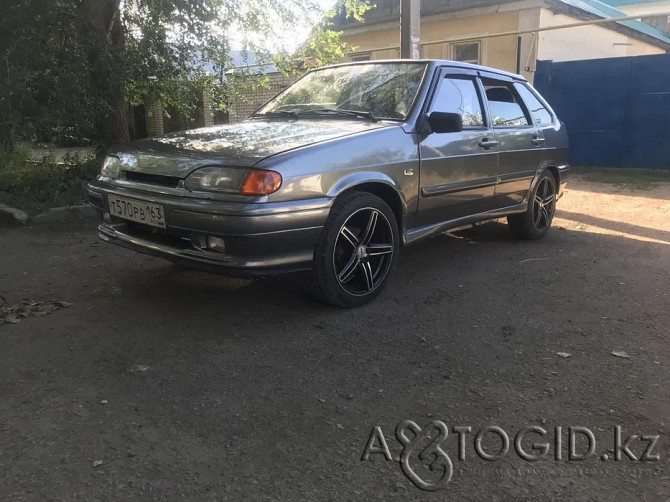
(111, 167)
(234, 181)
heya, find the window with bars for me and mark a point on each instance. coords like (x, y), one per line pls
(466, 53)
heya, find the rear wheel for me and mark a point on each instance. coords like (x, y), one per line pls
(535, 222)
(357, 251)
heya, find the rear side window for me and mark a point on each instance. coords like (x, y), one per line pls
(506, 111)
(459, 95)
(541, 115)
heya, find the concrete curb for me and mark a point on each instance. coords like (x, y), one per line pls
(11, 217)
(65, 214)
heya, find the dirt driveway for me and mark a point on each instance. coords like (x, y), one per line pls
(162, 384)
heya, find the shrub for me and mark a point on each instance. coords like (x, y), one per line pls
(34, 185)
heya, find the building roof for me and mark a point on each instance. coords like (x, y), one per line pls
(623, 3)
(602, 10)
(247, 62)
(389, 11)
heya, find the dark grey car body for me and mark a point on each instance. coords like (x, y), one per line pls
(433, 182)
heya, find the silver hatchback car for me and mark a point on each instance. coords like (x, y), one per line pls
(340, 171)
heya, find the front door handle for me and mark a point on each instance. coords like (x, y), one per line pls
(487, 143)
(537, 140)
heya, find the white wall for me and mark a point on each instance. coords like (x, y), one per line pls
(586, 42)
(646, 9)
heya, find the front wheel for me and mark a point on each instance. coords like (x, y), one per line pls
(535, 222)
(357, 251)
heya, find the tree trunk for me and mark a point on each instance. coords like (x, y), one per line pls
(107, 66)
(7, 138)
(116, 123)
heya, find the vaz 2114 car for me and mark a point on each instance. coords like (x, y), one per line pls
(340, 171)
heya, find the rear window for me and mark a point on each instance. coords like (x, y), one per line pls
(505, 108)
(541, 115)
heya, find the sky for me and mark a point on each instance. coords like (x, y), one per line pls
(289, 41)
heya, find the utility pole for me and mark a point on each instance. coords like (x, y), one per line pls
(410, 29)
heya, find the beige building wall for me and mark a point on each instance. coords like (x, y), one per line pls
(586, 42)
(381, 41)
(499, 53)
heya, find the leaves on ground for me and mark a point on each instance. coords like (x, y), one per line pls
(139, 368)
(13, 314)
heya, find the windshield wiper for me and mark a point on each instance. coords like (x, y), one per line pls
(338, 111)
(284, 113)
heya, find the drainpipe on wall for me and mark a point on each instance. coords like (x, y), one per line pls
(410, 29)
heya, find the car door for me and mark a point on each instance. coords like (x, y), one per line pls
(521, 141)
(458, 169)
(546, 121)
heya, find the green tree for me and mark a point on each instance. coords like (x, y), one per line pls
(69, 68)
(44, 74)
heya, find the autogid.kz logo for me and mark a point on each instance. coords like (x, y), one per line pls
(424, 457)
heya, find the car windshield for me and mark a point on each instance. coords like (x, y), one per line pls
(372, 91)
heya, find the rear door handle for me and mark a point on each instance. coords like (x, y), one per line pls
(537, 140)
(487, 143)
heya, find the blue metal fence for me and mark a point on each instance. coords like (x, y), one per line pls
(617, 110)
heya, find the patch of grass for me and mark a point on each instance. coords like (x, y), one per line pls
(633, 179)
(34, 186)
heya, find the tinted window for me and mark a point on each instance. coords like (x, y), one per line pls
(539, 112)
(459, 95)
(505, 108)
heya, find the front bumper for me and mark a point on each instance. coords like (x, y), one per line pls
(259, 238)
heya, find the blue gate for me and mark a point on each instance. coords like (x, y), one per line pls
(617, 110)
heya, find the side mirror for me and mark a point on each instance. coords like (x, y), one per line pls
(441, 122)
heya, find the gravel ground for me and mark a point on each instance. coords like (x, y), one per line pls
(166, 384)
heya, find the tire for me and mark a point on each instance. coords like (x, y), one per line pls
(535, 222)
(357, 250)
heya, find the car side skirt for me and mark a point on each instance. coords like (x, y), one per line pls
(414, 235)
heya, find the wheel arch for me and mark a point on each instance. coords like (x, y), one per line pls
(550, 167)
(380, 185)
(554, 171)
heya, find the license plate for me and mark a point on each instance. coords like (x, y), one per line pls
(137, 210)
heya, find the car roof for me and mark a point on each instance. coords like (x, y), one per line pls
(433, 63)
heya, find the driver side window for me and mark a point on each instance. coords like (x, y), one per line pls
(459, 95)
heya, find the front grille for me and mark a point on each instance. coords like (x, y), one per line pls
(152, 179)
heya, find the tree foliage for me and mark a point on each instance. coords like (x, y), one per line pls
(69, 68)
(44, 84)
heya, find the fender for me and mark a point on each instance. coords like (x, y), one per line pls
(360, 178)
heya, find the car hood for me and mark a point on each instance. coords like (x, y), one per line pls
(243, 144)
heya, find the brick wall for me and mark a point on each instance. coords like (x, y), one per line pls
(247, 93)
(206, 111)
(154, 119)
